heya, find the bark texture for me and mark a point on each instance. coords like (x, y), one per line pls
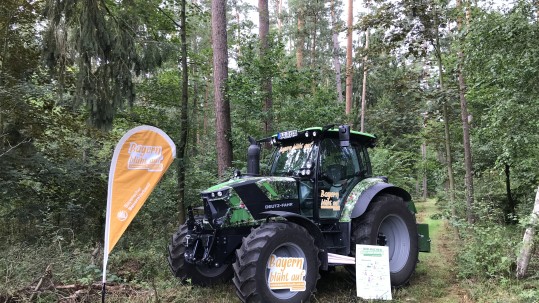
(279, 16)
(468, 179)
(364, 88)
(336, 48)
(349, 72)
(220, 77)
(527, 242)
(301, 38)
(263, 30)
(447, 137)
(182, 144)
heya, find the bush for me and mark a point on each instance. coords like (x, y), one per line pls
(489, 251)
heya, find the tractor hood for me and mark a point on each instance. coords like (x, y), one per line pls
(243, 200)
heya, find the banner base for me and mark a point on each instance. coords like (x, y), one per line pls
(103, 293)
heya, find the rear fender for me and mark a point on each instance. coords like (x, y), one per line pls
(364, 192)
(311, 228)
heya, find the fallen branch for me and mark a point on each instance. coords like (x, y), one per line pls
(46, 275)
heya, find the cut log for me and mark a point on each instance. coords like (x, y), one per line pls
(527, 242)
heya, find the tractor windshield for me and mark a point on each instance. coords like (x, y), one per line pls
(289, 159)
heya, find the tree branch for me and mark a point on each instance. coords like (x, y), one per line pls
(169, 17)
(14, 146)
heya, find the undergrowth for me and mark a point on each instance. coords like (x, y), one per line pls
(477, 268)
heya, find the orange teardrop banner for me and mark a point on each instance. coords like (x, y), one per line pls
(140, 159)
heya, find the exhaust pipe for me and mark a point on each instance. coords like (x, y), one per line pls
(253, 158)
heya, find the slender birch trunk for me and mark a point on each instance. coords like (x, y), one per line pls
(527, 242)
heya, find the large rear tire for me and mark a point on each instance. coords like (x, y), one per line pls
(202, 275)
(251, 269)
(388, 222)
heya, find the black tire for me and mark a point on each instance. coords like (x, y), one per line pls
(283, 239)
(201, 275)
(388, 222)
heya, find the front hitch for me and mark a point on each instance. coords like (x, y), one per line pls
(198, 245)
(190, 218)
(198, 248)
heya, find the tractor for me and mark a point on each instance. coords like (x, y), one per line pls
(272, 234)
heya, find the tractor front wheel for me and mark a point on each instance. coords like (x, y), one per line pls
(388, 222)
(277, 262)
(202, 275)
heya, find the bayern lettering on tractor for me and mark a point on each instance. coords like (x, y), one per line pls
(271, 234)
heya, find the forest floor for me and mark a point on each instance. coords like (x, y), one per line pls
(435, 279)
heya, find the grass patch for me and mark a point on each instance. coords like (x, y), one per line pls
(142, 275)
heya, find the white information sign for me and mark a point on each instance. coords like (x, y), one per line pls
(372, 272)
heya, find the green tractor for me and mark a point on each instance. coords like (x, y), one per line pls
(272, 235)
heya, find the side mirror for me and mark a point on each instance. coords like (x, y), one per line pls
(344, 135)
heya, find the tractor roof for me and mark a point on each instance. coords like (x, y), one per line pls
(309, 133)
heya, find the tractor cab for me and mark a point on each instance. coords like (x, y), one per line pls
(327, 163)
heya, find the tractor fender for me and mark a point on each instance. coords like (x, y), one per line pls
(364, 192)
(311, 228)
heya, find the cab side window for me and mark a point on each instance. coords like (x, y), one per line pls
(338, 163)
(364, 161)
(338, 166)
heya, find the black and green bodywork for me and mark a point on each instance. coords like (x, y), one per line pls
(302, 195)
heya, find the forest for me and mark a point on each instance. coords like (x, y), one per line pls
(450, 88)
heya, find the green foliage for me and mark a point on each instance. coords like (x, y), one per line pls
(105, 42)
(399, 166)
(503, 71)
(488, 251)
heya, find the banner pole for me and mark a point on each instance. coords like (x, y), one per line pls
(103, 293)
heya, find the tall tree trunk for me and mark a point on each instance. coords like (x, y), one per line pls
(349, 72)
(205, 123)
(313, 46)
(336, 48)
(301, 38)
(182, 144)
(510, 201)
(279, 16)
(364, 88)
(527, 242)
(263, 18)
(447, 139)
(424, 168)
(449, 159)
(468, 180)
(196, 115)
(238, 31)
(220, 77)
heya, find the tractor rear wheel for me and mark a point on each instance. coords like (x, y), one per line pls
(277, 262)
(388, 222)
(202, 275)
